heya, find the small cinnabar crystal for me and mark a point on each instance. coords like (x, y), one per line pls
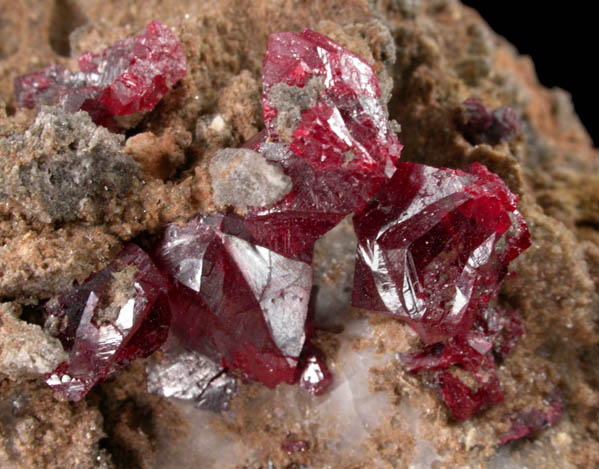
(476, 354)
(117, 316)
(240, 303)
(130, 76)
(434, 247)
(314, 375)
(481, 125)
(326, 126)
(526, 424)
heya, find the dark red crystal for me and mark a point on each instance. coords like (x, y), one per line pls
(317, 202)
(481, 125)
(130, 76)
(240, 303)
(326, 127)
(525, 424)
(314, 375)
(109, 321)
(435, 245)
(294, 445)
(493, 336)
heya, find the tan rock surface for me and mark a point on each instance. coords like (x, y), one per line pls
(445, 54)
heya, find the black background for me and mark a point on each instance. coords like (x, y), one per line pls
(561, 38)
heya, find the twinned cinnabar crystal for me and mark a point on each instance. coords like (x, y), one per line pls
(130, 76)
(117, 316)
(434, 247)
(326, 126)
(234, 300)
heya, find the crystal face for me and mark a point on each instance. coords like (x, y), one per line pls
(434, 246)
(189, 375)
(237, 302)
(130, 76)
(117, 316)
(326, 126)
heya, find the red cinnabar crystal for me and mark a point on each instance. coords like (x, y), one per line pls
(236, 301)
(525, 424)
(117, 316)
(435, 245)
(481, 125)
(330, 133)
(130, 76)
(433, 249)
(314, 375)
(494, 335)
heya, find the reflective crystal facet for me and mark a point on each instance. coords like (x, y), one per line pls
(326, 126)
(190, 375)
(435, 245)
(117, 316)
(235, 301)
(314, 375)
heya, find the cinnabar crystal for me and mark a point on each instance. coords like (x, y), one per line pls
(477, 354)
(481, 125)
(240, 303)
(117, 316)
(525, 424)
(130, 76)
(326, 126)
(434, 247)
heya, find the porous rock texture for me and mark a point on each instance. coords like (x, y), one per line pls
(431, 55)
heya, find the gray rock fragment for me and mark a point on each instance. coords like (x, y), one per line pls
(65, 168)
(191, 376)
(334, 259)
(290, 102)
(25, 349)
(243, 178)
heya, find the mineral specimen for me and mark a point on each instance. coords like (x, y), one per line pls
(430, 55)
(117, 316)
(329, 132)
(435, 245)
(130, 76)
(235, 301)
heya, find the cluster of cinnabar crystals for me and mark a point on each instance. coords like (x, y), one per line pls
(434, 246)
